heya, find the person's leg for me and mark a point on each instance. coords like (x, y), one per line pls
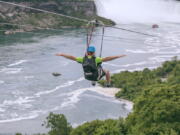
(108, 76)
(103, 72)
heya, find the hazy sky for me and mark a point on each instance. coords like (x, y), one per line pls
(143, 11)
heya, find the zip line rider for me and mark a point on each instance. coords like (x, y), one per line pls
(92, 65)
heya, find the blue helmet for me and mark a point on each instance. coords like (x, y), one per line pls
(91, 49)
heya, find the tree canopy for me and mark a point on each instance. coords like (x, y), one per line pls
(156, 111)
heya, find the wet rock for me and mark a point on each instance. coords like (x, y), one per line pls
(56, 74)
(155, 26)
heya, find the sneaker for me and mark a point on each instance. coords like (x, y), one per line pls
(93, 83)
(108, 85)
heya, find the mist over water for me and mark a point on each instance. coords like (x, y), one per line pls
(139, 11)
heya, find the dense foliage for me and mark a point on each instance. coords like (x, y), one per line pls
(156, 111)
(156, 97)
(134, 83)
(97, 127)
(58, 124)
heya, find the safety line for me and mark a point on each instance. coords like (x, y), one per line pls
(89, 35)
(132, 31)
(102, 39)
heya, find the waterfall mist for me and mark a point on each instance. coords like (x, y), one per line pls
(139, 11)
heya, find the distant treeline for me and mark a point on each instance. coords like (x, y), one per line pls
(156, 111)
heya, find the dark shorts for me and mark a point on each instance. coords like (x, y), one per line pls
(101, 72)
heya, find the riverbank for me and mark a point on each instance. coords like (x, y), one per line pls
(111, 92)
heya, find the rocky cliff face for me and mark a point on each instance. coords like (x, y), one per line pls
(35, 19)
(86, 8)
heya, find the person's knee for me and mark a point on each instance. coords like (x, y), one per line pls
(107, 72)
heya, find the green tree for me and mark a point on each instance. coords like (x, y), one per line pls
(99, 127)
(109, 127)
(58, 124)
(157, 110)
(18, 134)
(88, 128)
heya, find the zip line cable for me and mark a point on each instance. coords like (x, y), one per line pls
(75, 18)
(89, 35)
(115, 37)
(132, 31)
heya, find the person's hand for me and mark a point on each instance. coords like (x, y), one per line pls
(122, 55)
(59, 54)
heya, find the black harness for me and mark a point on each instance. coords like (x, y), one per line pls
(91, 70)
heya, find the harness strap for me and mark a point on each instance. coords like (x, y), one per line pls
(103, 30)
(90, 33)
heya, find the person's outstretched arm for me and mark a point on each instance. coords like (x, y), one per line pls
(66, 56)
(112, 58)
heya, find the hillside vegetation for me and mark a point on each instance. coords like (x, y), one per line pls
(156, 111)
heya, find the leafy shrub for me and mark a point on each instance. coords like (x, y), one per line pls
(58, 124)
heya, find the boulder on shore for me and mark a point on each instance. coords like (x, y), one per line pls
(155, 26)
